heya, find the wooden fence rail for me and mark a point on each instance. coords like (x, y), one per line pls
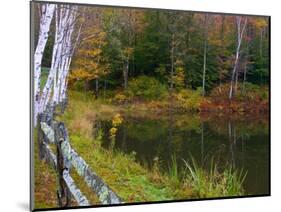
(51, 131)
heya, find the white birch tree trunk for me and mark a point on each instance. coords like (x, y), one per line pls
(65, 72)
(56, 52)
(66, 52)
(205, 54)
(45, 22)
(240, 34)
(62, 53)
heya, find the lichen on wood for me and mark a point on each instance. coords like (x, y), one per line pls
(105, 194)
(48, 131)
(49, 155)
(76, 193)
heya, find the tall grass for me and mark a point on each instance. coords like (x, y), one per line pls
(173, 170)
(212, 182)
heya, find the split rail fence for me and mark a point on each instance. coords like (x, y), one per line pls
(65, 159)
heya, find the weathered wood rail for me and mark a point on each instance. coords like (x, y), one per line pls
(54, 132)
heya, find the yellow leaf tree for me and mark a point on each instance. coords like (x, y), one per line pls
(89, 63)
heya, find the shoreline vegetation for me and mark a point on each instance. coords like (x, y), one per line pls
(149, 94)
(155, 97)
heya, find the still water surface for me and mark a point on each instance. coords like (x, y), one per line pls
(242, 143)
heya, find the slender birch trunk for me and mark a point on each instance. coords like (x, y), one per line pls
(63, 88)
(205, 53)
(45, 22)
(46, 93)
(240, 33)
(61, 58)
(236, 80)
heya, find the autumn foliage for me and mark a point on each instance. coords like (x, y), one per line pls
(252, 100)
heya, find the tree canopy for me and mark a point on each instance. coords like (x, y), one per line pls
(180, 49)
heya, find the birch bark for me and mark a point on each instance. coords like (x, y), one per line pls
(63, 85)
(45, 22)
(240, 33)
(55, 56)
(62, 53)
(205, 53)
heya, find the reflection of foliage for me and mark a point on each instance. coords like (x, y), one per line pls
(188, 122)
(242, 127)
(149, 128)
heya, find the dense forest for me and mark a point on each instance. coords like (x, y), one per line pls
(141, 54)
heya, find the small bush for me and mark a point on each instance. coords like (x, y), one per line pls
(146, 88)
(220, 91)
(251, 91)
(120, 98)
(188, 99)
(245, 91)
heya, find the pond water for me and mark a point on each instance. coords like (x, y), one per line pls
(240, 142)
